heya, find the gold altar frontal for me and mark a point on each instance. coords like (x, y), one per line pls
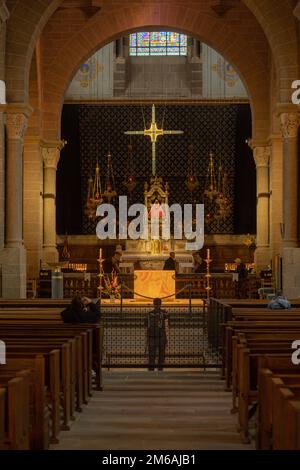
(154, 283)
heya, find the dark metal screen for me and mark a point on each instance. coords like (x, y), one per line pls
(209, 127)
(126, 339)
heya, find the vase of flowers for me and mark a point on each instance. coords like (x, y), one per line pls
(112, 286)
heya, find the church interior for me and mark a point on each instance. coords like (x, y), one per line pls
(109, 341)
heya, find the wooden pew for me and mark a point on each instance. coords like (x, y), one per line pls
(51, 379)
(16, 411)
(85, 337)
(39, 414)
(248, 363)
(288, 377)
(2, 417)
(28, 332)
(97, 336)
(277, 342)
(66, 362)
(284, 430)
(230, 328)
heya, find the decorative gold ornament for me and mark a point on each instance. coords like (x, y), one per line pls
(153, 132)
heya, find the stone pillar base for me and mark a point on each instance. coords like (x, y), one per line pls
(291, 272)
(50, 255)
(13, 262)
(262, 258)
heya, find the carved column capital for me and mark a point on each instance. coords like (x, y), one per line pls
(51, 153)
(289, 125)
(262, 156)
(16, 125)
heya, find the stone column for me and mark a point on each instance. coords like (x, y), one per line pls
(50, 155)
(262, 160)
(33, 203)
(276, 200)
(13, 257)
(290, 228)
(289, 129)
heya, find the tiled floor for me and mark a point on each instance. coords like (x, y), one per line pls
(154, 411)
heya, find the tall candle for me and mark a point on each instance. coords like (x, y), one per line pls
(208, 253)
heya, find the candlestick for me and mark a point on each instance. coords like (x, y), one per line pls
(100, 262)
(208, 287)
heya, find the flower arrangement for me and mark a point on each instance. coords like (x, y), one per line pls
(112, 286)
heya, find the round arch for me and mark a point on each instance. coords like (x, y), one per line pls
(27, 21)
(279, 24)
(24, 27)
(106, 26)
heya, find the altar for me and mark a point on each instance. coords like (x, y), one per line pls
(154, 284)
(151, 253)
(138, 256)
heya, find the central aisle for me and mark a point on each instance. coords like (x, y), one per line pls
(154, 411)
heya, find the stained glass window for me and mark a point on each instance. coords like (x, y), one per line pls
(160, 43)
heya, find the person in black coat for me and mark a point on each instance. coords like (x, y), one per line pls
(242, 278)
(170, 263)
(81, 310)
(157, 335)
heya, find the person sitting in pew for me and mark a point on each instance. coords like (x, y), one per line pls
(279, 301)
(81, 310)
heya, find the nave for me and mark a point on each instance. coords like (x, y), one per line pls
(173, 409)
(49, 397)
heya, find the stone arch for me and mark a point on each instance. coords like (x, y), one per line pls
(27, 20)
(109, 25)
(280, 27)
(25, 24)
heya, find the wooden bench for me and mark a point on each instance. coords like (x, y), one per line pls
(230, 329)
(288, 377)
(248, 362)
(38, 316)
(16, 410)
(51, 379)
(66, 380)
(39, 414)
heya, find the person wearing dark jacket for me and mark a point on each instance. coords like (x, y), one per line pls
(81, 310)
(242, 278)
(170, 263)
(157, 335)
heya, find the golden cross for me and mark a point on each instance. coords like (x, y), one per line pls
(153, 132)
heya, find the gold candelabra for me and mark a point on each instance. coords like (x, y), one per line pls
(100, 275)
(208, 287)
